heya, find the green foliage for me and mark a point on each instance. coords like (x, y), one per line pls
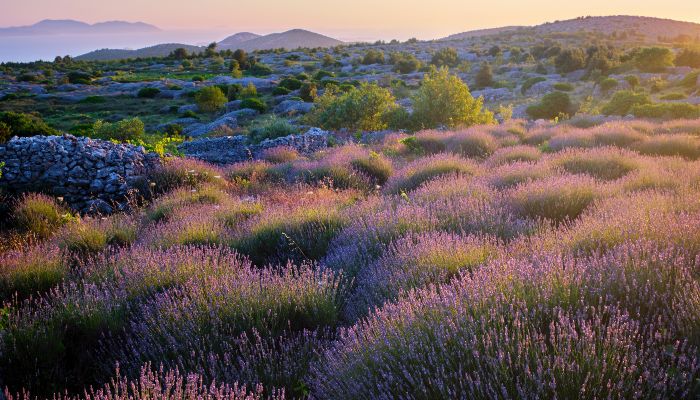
(376, 167)
(93, 100)
(674, 96)
(280, 91)
(666, 111)
(623, 101)
(255, 104)
(249, 91)
(445, 57)
(122, 131)
(260, 69)
(632, 80)
(691, 80)
(328, 60)
(563, 87)
(405, 63)
(653, 59)
(373, 57)
(362, 108)
(308, 92)
(79, 77)
(484, 77)
(210, 99)
(608, 84)
(552, 105)
(271, 127)
(570, 60)
(241, 57)
(530, 83)
(688, 58)
(323, 74)
(22, 125)
(148, 92)
(290, 83)
(444, 99)
(39, 215)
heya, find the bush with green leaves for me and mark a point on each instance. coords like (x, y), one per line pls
(373, 57)
(570, 60)
(210, 99)
(290, 83)
(484, 77)
(563, 87)
(271, 127)
(653, 59)
(123, 131)
(608, 84)
(552, 105)
(148, 92)
(254, 103)
(445, 57)
(405, 63)
(666, 111)
(260, 69)
(22, 125)
(444, 99)
(79, 77)
(363, 108)
(308, 92)
(623, 101)
(688, 58)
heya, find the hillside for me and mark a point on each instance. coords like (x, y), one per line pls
(232, 42)
(68, 26)
(292, 39)
(482, 32)
(651, 28)
(159, 50)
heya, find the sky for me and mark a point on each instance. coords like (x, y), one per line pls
(345, 20)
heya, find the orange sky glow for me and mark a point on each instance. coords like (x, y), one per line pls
(352, 19)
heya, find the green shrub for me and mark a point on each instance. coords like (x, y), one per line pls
(691, 80)
(570, 60)
(83, 239)
(23, 125)
(93, 100)
(122, 131)
(443, 99)
(563, 87)
(360, 108)
(484, 77)
(688, 58)
(148, 92)
(260, 69)
(653, 59)
(373, 57)
(79, 77)
(551, 106)
(323, 74)
(39, 215)
(405, 63)
(530, 83)
(608, 84)
(632, 80)
(210, 99)
(308, 92)
(255, 104)
(376, 167)
(280, 91)
(623, 101)
(674, 96)
(290, 83)
(271, 127)
(667, 111)
(445, 57)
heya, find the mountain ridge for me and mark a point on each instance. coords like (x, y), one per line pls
(70, 26)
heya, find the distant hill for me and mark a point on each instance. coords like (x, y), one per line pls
(289, 40)
(482, 32)
(234, 41)
(651, 28)
(159, 50)
(69, 26)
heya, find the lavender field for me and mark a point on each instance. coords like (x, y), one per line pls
(505, 261)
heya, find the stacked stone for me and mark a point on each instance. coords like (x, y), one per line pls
(91, 175)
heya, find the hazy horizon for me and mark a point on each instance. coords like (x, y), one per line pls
(399, 19)
(213, 20)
